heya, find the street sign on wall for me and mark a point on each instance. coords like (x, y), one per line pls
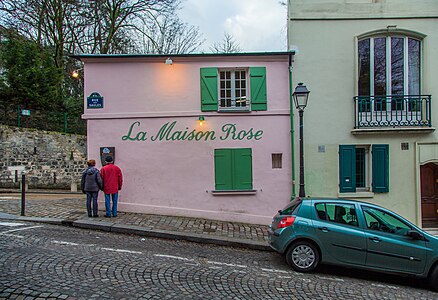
(95, 100)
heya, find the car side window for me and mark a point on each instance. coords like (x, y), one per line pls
(337, 213)
(380, 220)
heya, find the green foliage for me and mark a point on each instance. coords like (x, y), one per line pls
(29, 78)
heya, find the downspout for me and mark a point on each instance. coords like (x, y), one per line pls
(292, 131)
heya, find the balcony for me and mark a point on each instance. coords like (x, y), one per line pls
(402, 113)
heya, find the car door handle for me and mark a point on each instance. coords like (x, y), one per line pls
(324, 229)
(375, 239)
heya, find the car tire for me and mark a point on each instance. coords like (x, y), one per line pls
(433, 278)
(302, 256)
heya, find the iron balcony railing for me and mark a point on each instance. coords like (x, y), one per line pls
(398, 111)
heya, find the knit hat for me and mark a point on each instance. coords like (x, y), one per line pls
(109, 159)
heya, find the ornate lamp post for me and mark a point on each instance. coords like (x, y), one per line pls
(301, 95)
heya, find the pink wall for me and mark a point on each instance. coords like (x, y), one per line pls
(177, 177)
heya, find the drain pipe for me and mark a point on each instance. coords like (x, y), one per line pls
(292, 130)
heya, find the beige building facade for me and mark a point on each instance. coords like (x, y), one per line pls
(370, 124)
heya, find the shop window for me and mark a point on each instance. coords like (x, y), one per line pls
(233, 169)
(233, 89)
(362, 170)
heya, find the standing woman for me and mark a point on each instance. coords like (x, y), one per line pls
(91, 183)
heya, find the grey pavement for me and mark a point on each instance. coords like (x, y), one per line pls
(67, 208)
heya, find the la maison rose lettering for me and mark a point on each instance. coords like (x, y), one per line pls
(170, 132)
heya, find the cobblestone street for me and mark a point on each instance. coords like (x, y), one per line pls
(53, 262)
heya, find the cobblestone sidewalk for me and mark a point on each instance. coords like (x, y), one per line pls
(71, 207)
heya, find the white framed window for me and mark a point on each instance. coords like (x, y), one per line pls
(233, 89)
(389, 66)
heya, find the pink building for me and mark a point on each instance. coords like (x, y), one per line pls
(200, 135)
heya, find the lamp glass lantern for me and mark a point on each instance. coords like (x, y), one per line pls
(201, 120)
(75, 74)
(301, 95)
(168, 61)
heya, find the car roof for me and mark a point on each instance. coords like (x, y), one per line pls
(340, 200)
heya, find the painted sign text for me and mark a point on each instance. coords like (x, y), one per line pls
(170, 132)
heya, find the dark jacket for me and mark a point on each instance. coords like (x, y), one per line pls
(91, 180)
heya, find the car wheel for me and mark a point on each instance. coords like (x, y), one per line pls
(302, 256)
(433, 278)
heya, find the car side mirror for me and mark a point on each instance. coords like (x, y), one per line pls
(415, 235)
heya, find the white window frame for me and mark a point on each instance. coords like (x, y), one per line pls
(384, 117)
(233, 106)
(388, 65)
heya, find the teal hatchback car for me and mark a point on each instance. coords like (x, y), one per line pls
(311, 231)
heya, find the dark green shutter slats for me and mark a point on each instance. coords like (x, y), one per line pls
(380, 167)
(347, 168)
(242, 169)
(233, 169)
(222, 169)
(209, 89)
(258, 88)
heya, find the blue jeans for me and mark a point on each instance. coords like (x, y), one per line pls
(92, 199)
(108, 208)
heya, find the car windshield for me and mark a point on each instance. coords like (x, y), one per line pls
(292, 207)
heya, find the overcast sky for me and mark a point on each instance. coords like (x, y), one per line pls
(256, 25)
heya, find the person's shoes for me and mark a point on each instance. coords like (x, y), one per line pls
(114, 216)
(95, 216)
(89, 216)
(107, 216)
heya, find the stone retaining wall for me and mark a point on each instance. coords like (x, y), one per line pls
(50, 159)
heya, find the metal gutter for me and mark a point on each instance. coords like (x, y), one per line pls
(292, 130)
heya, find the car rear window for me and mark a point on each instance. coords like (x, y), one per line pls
(292, 207)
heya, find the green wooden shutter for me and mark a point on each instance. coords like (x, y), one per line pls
(242, 169)
(347, 168)
(209, 92)
(380, 168)
(258, 88)
(223, 164)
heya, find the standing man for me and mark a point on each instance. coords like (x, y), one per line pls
(112, 184)
(91, 183)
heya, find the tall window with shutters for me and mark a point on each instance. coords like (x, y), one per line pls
(364, 168)
(233, 89)
(233, 169)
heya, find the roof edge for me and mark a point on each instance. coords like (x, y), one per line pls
(188, 55)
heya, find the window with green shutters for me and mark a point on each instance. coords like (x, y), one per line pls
(233, 169)
(233, 89)
(364, 168)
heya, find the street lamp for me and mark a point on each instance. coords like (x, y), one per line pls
(301, 95)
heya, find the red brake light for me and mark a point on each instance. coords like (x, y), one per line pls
(285, 222)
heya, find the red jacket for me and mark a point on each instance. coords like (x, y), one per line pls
(112, 179)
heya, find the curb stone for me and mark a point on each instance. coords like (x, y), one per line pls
(143, 231)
